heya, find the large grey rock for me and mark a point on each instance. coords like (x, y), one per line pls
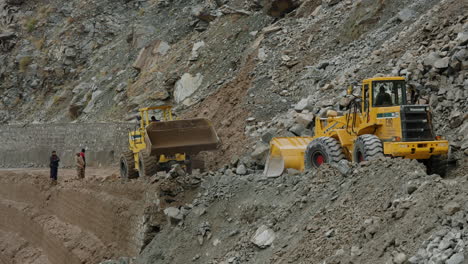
(263, 237)
(442, 63)
(431, 59)
(197, 46)
(462, 38)
(303, 104)
(399, 258)
(297, 129)
(241, 170)
(186, 86)
(174, 215)
(405, 15)
(456, 259)
(260, 152)
(304, 119)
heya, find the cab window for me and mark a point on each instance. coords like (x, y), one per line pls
(388, 93)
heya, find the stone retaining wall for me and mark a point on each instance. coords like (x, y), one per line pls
(31, 145)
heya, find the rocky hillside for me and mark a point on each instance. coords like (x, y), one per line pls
(239, 63)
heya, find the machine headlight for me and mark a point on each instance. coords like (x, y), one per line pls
(404, 146)
(442, 144)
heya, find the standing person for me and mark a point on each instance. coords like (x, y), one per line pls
(79, 166)
(82, 155)
(54, 164)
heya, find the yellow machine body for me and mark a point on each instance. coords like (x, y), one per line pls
(391, 124)
(169, 139)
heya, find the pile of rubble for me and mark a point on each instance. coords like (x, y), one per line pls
(385, 211)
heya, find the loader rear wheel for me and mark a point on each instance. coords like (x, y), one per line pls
(437, 165)
(148, 165)
(127, 166)
(367, 147)
(322, 150)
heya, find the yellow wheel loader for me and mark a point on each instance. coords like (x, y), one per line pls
(377, 123)
(157, 144)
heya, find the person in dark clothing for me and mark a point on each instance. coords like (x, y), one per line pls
(383, 98)
(153, 119)
(54, 164)
(82, 155)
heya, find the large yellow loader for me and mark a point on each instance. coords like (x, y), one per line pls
(378, 123)
(157, 144)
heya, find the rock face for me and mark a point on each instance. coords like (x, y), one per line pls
(186, 86)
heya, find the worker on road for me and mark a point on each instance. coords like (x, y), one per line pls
(79, 166)
(82, 155)
(54, 164)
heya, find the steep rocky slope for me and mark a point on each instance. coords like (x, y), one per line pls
(385, 211)
(226, 60)
(257, 69)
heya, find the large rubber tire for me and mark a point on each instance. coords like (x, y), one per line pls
(322, 150)
(127, 166)
(148, 165)
(437, 165)
(367, 147)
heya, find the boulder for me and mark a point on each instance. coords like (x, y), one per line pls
(462, 38)
(186, 86)
(304, 119)
(260, 152)
(442, 63)
(263, 237)
(458, 258)
(431, 59)
(241, 170)
(174, 215)
(405, 15)
(195, 48)
(303, 104)
(297, 129)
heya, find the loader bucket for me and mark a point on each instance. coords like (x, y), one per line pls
(188, 136)
(286, 152)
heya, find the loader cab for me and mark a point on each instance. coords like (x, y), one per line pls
(383, 92)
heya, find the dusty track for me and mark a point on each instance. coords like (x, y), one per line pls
(74, 222)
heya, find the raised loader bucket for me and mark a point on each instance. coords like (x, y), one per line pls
(286, 152)
(188, 136)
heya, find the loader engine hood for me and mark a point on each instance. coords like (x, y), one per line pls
(416, 123)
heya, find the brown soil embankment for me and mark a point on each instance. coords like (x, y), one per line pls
(74, 222)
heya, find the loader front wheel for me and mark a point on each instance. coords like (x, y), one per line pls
(148, 165)
(127, 166)
(367, 147)
(322, 150)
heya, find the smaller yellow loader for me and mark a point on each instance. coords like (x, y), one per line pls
(378, 123)
(157, 144)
